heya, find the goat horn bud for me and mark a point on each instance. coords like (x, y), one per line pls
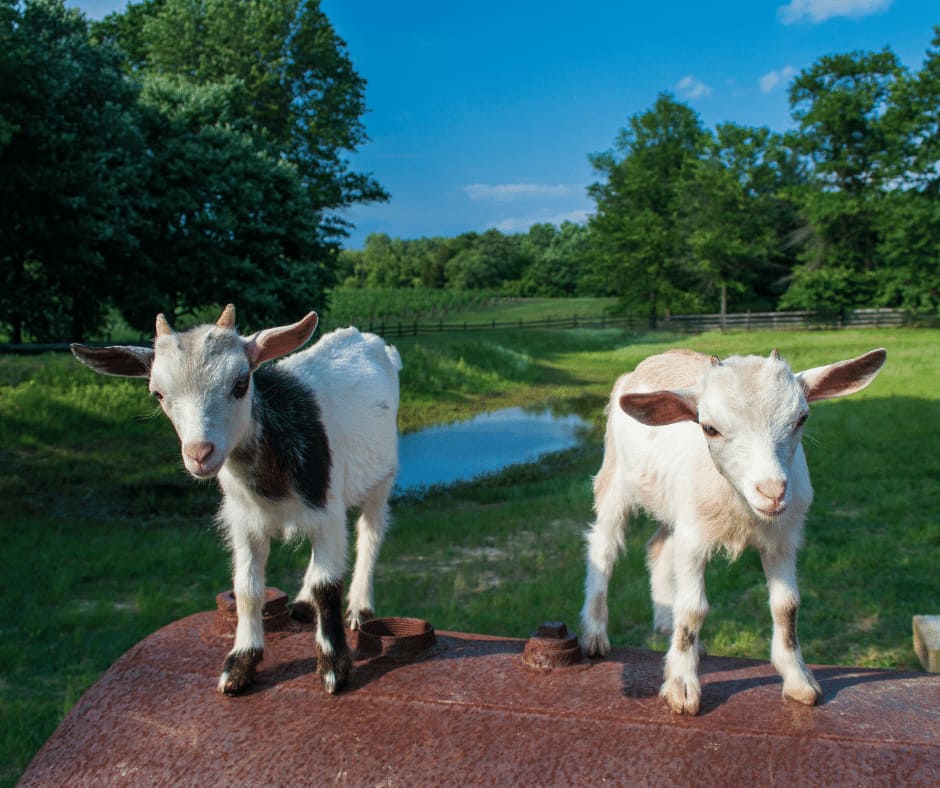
(227, 320)
(716, 362)
(163, 326)
(774, 355)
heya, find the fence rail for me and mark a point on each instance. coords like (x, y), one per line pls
(688, 324)
(691, 324)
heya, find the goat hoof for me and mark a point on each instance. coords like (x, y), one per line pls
(807, 694)
(596, 645)
(683, 696)
(355, 618)
(303, 612)
(239, 670)
(334, 670)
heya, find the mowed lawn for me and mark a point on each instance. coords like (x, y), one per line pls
(105, 538)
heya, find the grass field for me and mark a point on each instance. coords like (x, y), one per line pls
(105, 539)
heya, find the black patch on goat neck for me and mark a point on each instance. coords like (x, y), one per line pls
(292, 451)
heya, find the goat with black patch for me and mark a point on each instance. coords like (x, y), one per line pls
(293, 445)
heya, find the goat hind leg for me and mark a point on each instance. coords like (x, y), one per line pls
(662, 580)
(604, 543)
(370, 530)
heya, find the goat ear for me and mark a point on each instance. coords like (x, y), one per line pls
(843, 377)
(659, 408)
(125, 362)
(277, 342)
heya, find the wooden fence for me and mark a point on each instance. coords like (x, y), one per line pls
(688, 324)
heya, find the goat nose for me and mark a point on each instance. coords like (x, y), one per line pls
(773, 489)
(200, 451)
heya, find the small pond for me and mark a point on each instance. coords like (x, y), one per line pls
(484, 444)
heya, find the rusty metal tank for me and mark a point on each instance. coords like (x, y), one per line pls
(447, 708)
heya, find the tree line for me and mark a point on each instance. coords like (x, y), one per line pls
(843, 211)
(185, 153)
(180, 154)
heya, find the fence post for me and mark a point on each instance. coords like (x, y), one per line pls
(574, 321)
(414, 332)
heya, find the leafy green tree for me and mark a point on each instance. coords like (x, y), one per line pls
(909, 222)
(221, 218)
(735, 216)
(299, 83)
(848, 133)
(70, 152)
(641, 251)
(556, 270)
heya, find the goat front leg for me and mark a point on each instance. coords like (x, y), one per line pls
(250, 556)
(681, 688)
(798, 681)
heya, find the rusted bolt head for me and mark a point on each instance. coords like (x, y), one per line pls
(552, 629)
(551, 646)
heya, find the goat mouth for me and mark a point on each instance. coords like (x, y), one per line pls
(204, 471)
(771, 511)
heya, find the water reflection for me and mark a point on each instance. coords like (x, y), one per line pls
(484, 444)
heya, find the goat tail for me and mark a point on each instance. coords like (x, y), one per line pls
(392, 352)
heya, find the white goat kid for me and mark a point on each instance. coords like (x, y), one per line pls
(293, 445)
(712, 450)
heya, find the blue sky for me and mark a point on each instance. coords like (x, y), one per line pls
(483, 114)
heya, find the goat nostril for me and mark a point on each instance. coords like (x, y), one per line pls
(199, 452)
(773, 489)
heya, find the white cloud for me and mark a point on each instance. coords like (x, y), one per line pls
(507, 192)
(771, 79)
(817, 11)
(523, 223)
(691, 88)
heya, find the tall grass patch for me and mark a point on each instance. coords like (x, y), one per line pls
(105, 538)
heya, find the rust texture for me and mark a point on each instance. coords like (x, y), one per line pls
(469, 713)
(551, 646)
(399, 638)
(275, 615)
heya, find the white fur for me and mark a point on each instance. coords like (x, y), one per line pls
(354, 379)
(747, 486)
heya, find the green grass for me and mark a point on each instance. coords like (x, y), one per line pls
(106, 539)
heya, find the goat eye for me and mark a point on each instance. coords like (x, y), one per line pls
(241, 387)
(157, 396)
(801, 421)
(710, 431)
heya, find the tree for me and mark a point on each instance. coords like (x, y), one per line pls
(636, 226)
(848, 135)
(735, 215)
(221, 218)
(909, 223)
(299, 83)
(70, 153)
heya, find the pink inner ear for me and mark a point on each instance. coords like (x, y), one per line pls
(276, 342)
(843, 377)
(658, 408)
